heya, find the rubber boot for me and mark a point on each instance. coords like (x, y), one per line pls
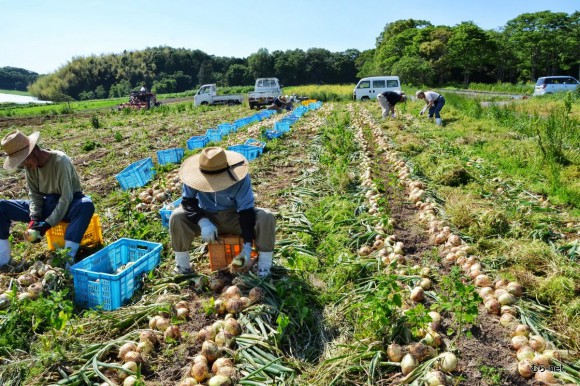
(264, 263)
(438, 121)
(4, 252)
(73, 249)
(182, 264)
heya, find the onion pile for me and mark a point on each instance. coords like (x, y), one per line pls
(31, 284)
(154, 198)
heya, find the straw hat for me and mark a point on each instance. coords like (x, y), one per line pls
(213, 169)
(18, 146)
(283, 98)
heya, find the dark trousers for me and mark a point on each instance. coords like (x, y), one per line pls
(78, 216)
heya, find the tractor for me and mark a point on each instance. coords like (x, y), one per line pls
(140, 100)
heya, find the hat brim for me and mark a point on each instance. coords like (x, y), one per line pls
(13, 161)
(191, 175)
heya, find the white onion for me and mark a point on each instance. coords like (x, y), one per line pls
(417, 294)
(133, 356)
(228, 371)
(408, 364)
(130, 366)
(144, 347)
(210, 350)
(482, 281)
(425, 283)
(130, 381)
(188, 382)
(219, 380)
(485, 291)
(448, 362)
(506, 299)
(146, 335)
(162, 323)
(541, 360)
(171, 333)
(521, 330)
(492, 306)
(507, 319)
(435, 378)
(435, 317)
(514, 288)
(546, 376)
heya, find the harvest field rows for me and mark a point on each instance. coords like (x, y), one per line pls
(406, 253)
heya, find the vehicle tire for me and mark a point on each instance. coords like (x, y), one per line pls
(204, 103)
(231, 103)
(365, 98)
(252, 105)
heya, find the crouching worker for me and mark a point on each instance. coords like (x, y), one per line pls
(55, 194)
(281, 103)
(388, 100)
(218, 200)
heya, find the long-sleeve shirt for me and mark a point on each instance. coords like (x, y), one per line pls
(58, 176)
(238, 196)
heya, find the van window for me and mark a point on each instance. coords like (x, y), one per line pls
(379, 84)
(364, 84)
(392, 83)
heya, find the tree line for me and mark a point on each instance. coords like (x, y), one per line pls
(13, 78)
(420, 53)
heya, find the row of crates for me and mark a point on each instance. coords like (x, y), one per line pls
(141, 172)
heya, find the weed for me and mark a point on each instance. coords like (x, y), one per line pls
(89, 145)
(493, 375)
(95, 122)
(118, 136)
(459, 299)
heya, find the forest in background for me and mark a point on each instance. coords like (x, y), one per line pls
(528, 46)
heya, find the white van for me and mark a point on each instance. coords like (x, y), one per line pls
(369, 88)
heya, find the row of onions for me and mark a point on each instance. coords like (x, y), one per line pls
(499, 295)
(214, 364)
(419, 361)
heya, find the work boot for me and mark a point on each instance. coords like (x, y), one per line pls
(264, 263)
(438, 121)
(182, 264)
(4, 252)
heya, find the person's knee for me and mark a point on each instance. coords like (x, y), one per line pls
(266, 218)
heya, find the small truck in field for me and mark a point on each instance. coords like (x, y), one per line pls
(265, 90)
(207, 95)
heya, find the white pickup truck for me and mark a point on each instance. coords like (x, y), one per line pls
(265, 90)
(207, 95)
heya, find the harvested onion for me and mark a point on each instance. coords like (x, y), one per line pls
(408, 364)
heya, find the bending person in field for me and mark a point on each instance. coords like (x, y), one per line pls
(434, 103)
(281, 103)
(218, 200)
(54, 191)
(388, 100)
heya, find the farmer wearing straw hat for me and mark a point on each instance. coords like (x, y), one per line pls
(54, 191)
(218, 199)
(281, 102)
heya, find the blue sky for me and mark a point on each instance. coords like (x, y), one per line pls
(43, 35)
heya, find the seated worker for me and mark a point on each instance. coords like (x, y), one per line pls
(388, 100)
(55, 193)
(218, 200)
(281, 103)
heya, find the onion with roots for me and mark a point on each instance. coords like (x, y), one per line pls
(225, 339)
(199, 371)
(234, 305)
(482, 281)
(147, 335)
(233, 292)
(492, 306)
(172, 333)
(216, 284)
(228, 371)
(408, 364)
(256, 295)
(421, 351)
(417, 294)
(182, 313)
(521, 330)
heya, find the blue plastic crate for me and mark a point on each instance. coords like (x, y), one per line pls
(248, 151)
(225, 128)
(166, 211)
(271, 134)
(96, 281)
(137, 174)
(258, 144)
(282, 126)
(213, 135)
(169, 156)
(197, 142)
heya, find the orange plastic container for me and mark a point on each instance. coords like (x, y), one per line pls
(93, 235)
(224, 249)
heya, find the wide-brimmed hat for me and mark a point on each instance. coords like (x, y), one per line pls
(18, 146)
(213, 169)
(283, 98)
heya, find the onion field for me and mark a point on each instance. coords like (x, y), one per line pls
(407, 253)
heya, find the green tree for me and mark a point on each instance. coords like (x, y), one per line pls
(261, 64)
(237, 75)
(469, 48)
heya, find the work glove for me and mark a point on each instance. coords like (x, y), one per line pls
(423, 111)
(40, 226)
(242, 262)
(209, 231)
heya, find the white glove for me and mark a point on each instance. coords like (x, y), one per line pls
(423, 111)
(393, 115)
(208, 230)
(241, 263)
